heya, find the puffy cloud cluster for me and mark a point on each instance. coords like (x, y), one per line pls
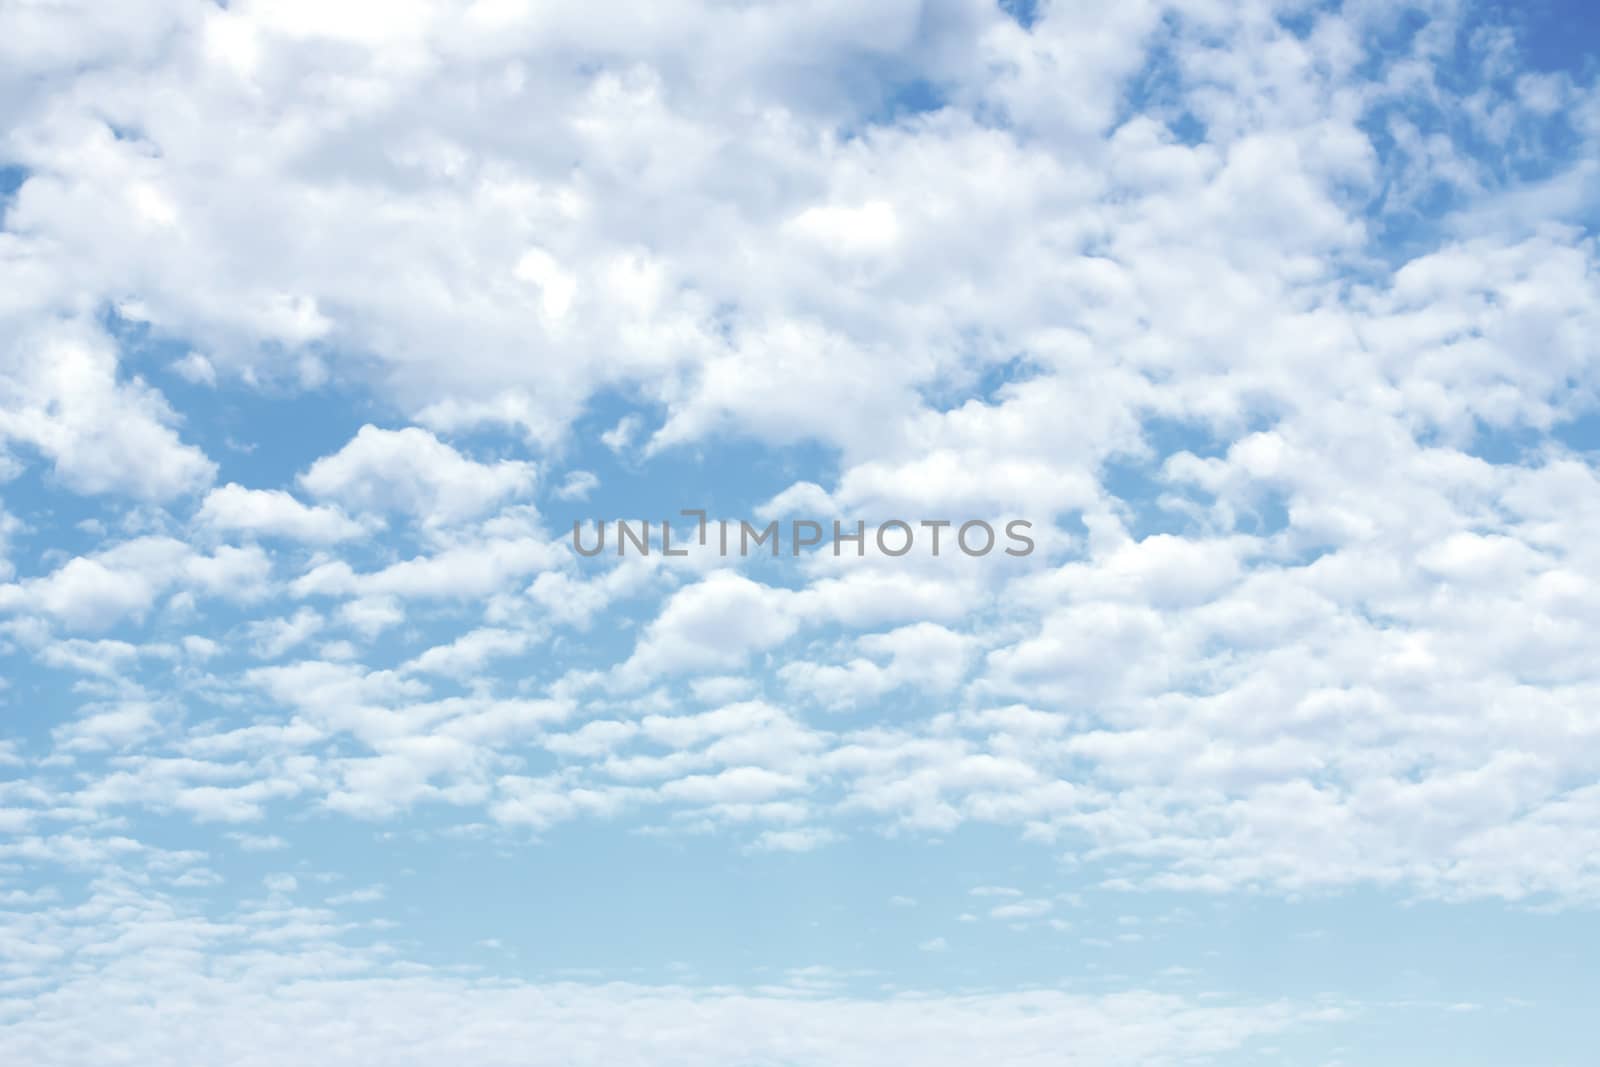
(1187, 281)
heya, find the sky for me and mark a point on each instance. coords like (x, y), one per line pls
(323, 324)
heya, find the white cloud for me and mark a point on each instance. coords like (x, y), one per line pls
(413, 472)
(734, 784)
(281, 883)
(98, 591)
(807, 839)
(120, 726)
(257, 842)
(274, 637)
(60, 394)
(372, 614)
(1021, 911)
(924, 655)
(9, 527)
(806, 500)
(620, 437)
(578, 485)
(471, 569)
(714, 624)
(274, 513)
(849, 230)
(470, 652)
(195, 369)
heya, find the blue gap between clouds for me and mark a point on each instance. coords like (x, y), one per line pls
(11, 179)
(1537, 149)
(1136, 481)
(1024, 12)
(260, 435)
(724, 475)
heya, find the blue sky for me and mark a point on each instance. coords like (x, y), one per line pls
(321, 324)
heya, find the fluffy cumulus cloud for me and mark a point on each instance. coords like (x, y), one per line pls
(323, 324)
(413, 472)
(273, 512)
(63, 399)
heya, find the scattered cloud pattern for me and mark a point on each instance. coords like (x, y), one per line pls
(321, 324)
